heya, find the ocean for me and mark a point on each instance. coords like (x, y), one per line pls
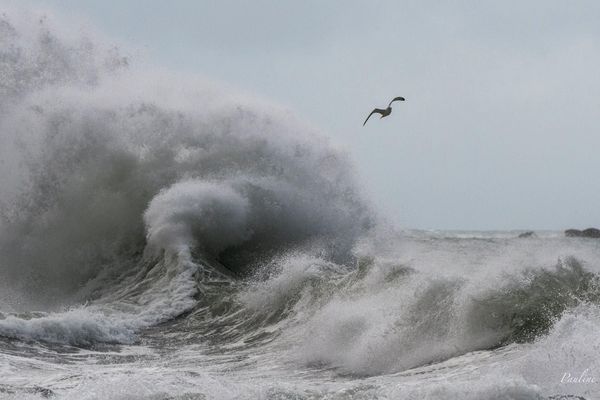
(164, 237)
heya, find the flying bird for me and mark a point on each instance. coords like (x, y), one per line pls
(384, 113)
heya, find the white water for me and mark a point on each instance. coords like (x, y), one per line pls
(125, 191)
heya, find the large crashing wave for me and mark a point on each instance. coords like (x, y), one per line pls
(101, 160)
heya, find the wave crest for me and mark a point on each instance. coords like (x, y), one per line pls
(103, 159)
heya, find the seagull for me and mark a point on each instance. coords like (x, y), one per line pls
(386, 112)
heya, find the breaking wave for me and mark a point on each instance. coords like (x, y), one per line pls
(123, 175)
(137, 201)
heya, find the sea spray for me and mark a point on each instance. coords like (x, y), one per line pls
(165, 237)
(105, 160)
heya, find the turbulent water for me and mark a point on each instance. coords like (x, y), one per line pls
(162, 237)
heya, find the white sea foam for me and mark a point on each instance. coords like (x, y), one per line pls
(120, 187)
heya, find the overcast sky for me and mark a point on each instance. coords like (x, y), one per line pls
(500, 129)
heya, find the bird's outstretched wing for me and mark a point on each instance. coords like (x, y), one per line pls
(377, 110)
(399, 98)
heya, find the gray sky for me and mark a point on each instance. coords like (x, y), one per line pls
(500, 129)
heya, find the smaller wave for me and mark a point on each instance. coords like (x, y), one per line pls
(382, 318)
(163, 290)
(527, 308)
(82, 326)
